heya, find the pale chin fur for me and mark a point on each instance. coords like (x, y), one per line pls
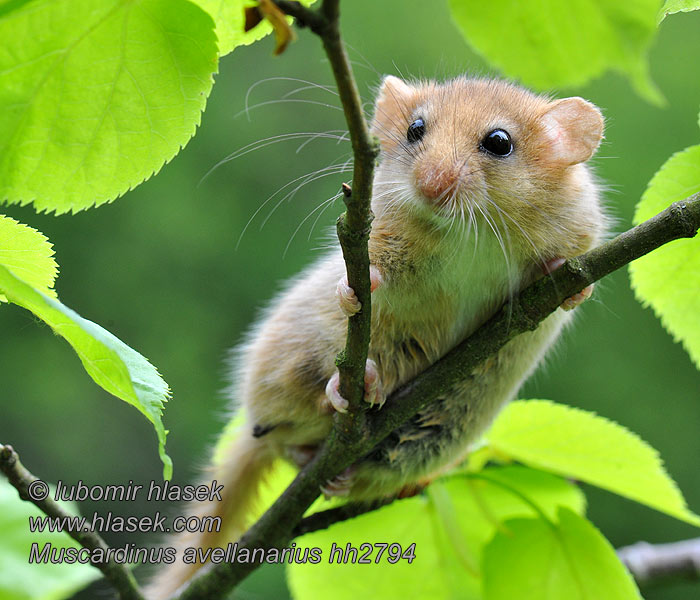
(477, 251)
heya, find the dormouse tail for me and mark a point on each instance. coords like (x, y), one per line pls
(239, 466)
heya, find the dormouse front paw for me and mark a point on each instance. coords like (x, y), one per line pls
(576, 299)
(374, 392)
(347, 299)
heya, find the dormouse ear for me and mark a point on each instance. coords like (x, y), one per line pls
(573, 129)
(394, 95)
(394, 89)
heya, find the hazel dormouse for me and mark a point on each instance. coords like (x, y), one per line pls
(481, 188)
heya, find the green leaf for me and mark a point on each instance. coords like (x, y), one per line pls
(447, 513)
(668, 279)
(449, 525)
(113, 365)
(516, 490)
(561, 44)
(579, 444)
(230, 18)
(95, 96)
(28, 254)
(430, 575)
(673, 6)
(484, 500)
(539, 560)
(20, 580)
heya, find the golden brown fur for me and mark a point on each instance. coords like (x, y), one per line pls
(457, 231)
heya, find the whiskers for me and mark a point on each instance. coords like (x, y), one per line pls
(294, 90)
(287, 97)
(392, 197)
(472, 218)
(339, 135)
(303, 180)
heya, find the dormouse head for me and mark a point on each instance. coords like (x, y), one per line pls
(490, 150)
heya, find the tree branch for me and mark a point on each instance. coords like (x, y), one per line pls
(356, 434)
(305, 17)
(654, 564)
(119, 576)
(524, 312)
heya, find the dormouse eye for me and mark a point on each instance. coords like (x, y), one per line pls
(497, 142)
(416, 131)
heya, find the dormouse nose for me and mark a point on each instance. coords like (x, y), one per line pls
(438, 177)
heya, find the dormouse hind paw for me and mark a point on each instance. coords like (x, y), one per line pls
(576, 299)
(341, 484)
(347, 299)
(374, 392)
(301, 454)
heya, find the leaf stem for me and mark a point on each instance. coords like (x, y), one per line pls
(511, 490)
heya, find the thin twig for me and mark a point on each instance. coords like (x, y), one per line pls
(353, 226)
(305, 17)
(118, 575)
(350, 434)
(655, 564)
(326, 518)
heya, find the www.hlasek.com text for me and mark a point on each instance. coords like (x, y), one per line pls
(338, 554)
(156, 523)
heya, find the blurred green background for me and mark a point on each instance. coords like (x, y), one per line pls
(162, 269)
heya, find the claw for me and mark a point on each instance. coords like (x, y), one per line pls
(301, 455)
(552, 265)
(341, 484)
(333, 394)
(347, 299)
(374, 391)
